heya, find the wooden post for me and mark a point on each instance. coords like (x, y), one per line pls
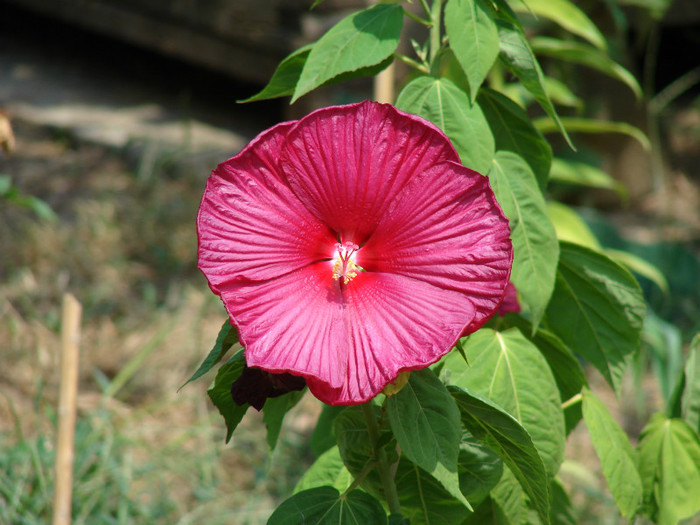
(65, 446)
(384, 85)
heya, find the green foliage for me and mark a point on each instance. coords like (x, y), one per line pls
(480, 436)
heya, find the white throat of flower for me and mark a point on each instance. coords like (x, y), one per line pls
(344, 266)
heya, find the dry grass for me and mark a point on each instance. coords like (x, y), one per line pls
(125, 245)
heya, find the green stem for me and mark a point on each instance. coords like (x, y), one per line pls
(392, 496)
(569, 402)
(418, 19)
(413, 63)
(435, 36)
(425, 8)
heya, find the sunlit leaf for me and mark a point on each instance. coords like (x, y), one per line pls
(669, 465)
(507, 437)
(440, 101)
(535, 246)
(513, 131)
(571, 51)
(509, 370)
(583, 174)
(327, 470)
(583, 125)
(473, 38)
(567, 15)
(597, 309)
(362, 39)
(616, 455)
(570, 226)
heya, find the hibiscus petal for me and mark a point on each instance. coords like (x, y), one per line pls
(293, 323)
(392, 323)
(446, 229)
(347, 163)
(250, 224)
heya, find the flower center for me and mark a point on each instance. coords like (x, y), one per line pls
(344, 262)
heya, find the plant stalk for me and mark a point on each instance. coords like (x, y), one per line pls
(435, 35)
(390, 493)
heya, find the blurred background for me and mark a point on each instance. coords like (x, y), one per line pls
(113, 113)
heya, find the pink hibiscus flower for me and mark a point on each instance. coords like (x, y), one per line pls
(351, 245)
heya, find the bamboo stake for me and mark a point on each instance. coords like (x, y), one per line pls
(384, 85)
(70, 337)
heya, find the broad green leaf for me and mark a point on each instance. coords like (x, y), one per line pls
(426, 423)
(508, 438)
(565, 367)
(274, 411)
(518, 57)
(616, 455)
(425, 500)
(582, 174)
(508, 369)
(322, 437)
(570, 226)
(584, 125)
(639, 266)
(327, 470)
(567, 15)
(562, 510)
(473, 38)
(597, 309)
(690, 400)
(327, 506)
(220, 393)
(508, 495)
(535, 247)
(285, 77)
(440, 101)
(513, 131)
(571, 51)
(362, 39)
(228, 336)
(356, 449)
(669, 465)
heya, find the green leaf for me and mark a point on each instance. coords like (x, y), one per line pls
(507, 437)
(561, 94)
(639, 266)
(440, 101)
(425, 500)
(228, 336)
(562, 510)
(519, 58)
(355, 447)
(220, 393)
(616, 455)
(583, 174)
(473, 38)
(669, 465)
(597, 309)
(535, 247)
(322, 437)
(513, 131)
(568, 16)
(426, 423)
(570, 226)
(327, 470)
(690, 400)
(584, 125)
(285, 77)
(508, 369)
(364, 38)
(565, 367)
(571, 51)
(327, 506)
(274, 410)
